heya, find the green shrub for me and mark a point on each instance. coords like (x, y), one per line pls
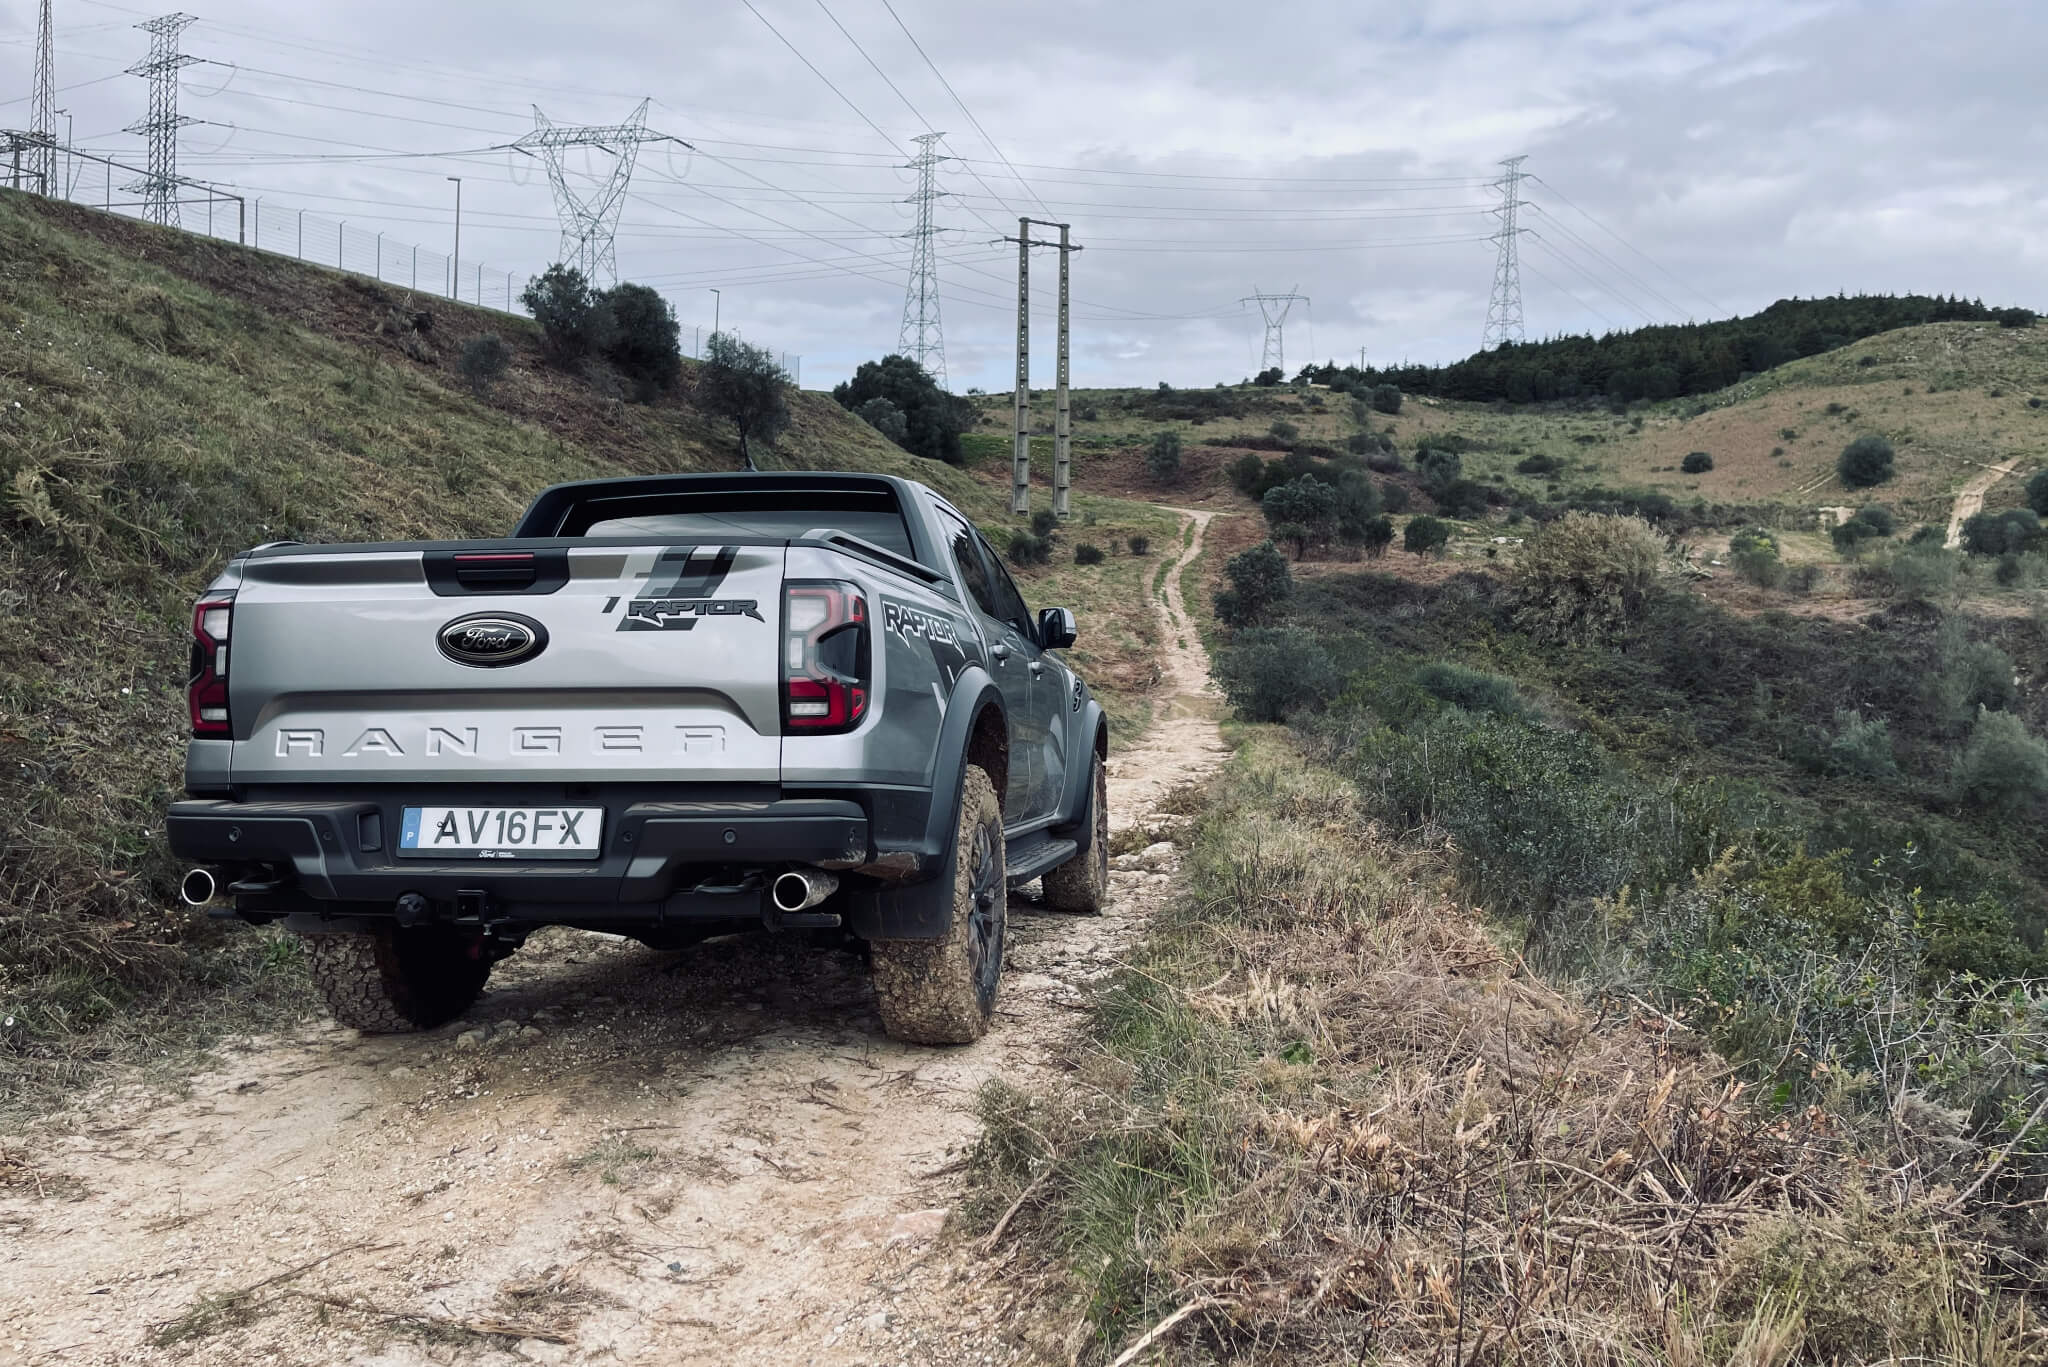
(1440, 468)
(1462, 498)
(1162, 457)
(1921, 573)
(1969, 676)
(1245, 473)
(885, 417)
(1141, 545)
(1087, 553)
(1928, 536)
(1377, 535)
(1861, 748)
(933, 418)
(1538, 465)
(1283, 430)
(1308, 505)
(2001, 766)
(646, 340)
(1043, 523)
(1864, 462)
(1258, 581)
(2012, 532)
(2037, 494)
(1754, 554)
(1584, 575)
(1880, 519)
(1386, 398)
(1696, 463)
(1292, 534)
(1472, 689)
(574, 321)
(1026, 549)
(1271, 673)
(1425, 535)
(484, 360)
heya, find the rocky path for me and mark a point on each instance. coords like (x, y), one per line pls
(620, 1155)
(1970, 500)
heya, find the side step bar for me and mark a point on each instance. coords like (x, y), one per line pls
(1038, 853)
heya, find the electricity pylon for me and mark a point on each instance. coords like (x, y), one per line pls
(41, 119)
(591, 221)
(1274, 308)
(921, 338)
(159, 186)
(1504, 305)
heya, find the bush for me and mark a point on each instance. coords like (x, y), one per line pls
(1439, 467)
(1864, 462)
(933, 419)
(1087, 554)
(646, 341)
(1246, 472)
(1462, 498)
(1861, 748)
(1394, 497)
(1026, 549)
(1268, 377)
(1258, 580)
(2001, 766)
(1162, 457)
(1425, 535)
(1538, 465)
(1969, 677)
(1880, 519)
(1379, 534)
(485, 359)
(1386, 399)
(1869, 524)
(1928, 536)
(1307, 504)
(1584, 575)
(1472, 689)
(1754, 554)
(1141, 545)
(885, 417)
(1044, 523)
(1923, 574)
(574, 320)
(1283, 430)
(747, 387)
(2037, 494)
(1696, 463)
(1270, 673)
(2014, 532)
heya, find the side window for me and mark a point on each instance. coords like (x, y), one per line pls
(961, 541)
(1009, 603)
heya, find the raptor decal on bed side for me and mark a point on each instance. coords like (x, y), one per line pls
(912, 625)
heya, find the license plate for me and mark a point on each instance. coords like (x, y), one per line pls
(503, 832)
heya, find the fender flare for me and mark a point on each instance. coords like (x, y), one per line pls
(1093, 728)
(923, 910)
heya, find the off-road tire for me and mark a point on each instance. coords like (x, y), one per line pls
(1081, 885)
(392, 981)
(943, 991)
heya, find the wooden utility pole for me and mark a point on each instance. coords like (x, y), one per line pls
(1020, 460)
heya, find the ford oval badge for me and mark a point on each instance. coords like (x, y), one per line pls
(488, 640)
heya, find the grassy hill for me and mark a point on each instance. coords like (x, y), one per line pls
(1954, 398)
(166, 400)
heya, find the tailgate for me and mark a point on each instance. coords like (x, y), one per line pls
(421, 664)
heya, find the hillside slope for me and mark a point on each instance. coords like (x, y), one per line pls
(166, 400)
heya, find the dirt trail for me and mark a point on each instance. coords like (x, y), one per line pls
(1970, 500)
(707, 1157)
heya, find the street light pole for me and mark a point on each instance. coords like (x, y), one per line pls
(70, 162)
(455, 262)
(717, 302)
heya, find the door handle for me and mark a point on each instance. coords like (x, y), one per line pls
(1037, 668)
(999, 652)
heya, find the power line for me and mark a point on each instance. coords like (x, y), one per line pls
(1706, 298)
(962, 104)
(1677, 310)
(819, 74)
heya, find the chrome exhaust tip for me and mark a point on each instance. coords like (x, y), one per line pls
(802, 889)
(198, 888)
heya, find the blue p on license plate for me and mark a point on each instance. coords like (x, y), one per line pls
(503, 832)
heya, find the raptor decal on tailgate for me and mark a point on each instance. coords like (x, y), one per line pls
(680, 588)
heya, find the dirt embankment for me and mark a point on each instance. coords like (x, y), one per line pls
(619, 1155)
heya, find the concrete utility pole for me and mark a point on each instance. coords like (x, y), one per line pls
(1020, 461)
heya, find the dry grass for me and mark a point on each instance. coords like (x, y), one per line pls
(1327, 1110)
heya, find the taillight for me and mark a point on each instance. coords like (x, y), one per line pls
(206, 694)
(826, 667)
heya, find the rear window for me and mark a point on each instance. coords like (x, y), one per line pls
(870, 515)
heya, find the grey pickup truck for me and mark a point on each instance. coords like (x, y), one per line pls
(666, 708)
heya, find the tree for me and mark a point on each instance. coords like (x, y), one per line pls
(1162, 457)
(1358, 503)
(1386, 398)
(933, 419)
(2001, 766)
(746, 386)
(1379, 534)
(2037, 493)
(1754, 554)
(1245, 472)
(1864, 462)
(1268, 378)
(2012, 532)
(1307, 504)
(1696, 463)
(645, 342)
(1425, 535)
(574, 319)
(1258, 580)
(1584, 576)
(1462, 498)
(885, 417)
(485, 357)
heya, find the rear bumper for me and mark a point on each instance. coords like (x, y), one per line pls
(659, 859)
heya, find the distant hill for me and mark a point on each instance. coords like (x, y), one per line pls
(1672, 362)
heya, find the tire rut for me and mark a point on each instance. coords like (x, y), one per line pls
(707, 1157)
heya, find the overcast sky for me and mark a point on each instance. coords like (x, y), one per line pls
(1728, 152)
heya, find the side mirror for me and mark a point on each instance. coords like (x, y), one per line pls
(1056, 628)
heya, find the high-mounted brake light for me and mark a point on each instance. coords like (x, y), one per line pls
(206, 692)
(826, 663)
